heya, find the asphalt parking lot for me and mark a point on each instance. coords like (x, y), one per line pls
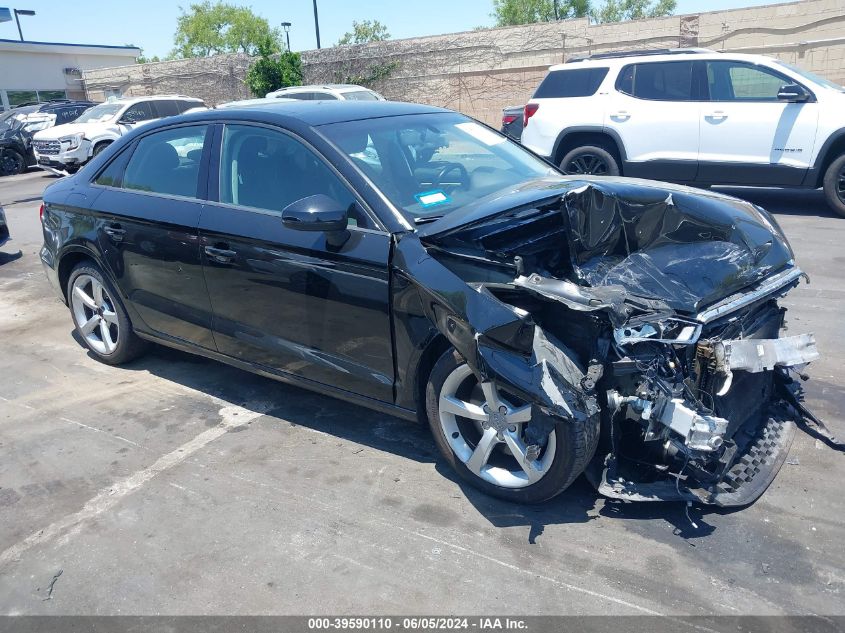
(177, 485)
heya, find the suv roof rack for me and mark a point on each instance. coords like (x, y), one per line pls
(643, 53)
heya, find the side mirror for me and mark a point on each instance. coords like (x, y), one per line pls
(318, 213)
(793, 93)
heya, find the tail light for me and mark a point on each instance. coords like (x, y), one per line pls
(41, 213)
(529, 111)
(507, 119)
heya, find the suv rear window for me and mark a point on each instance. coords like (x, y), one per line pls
(582, 82)
(657, 81)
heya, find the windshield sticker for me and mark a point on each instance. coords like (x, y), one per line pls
(488, 137)
(432, 198)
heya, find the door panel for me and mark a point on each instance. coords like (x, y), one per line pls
(653, 103)
(747, 135)
(149, 233)
(284, 298)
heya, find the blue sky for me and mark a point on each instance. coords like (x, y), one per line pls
(151, 23)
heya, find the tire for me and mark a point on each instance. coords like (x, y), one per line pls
(569, 450)
(589, 160)
(98, 148)
(110, 337)
(834, 185)
(11, 162)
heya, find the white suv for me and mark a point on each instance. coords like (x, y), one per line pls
(693, 116)
(65, 148)
(327, 92)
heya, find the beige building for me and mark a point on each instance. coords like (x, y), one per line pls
(39, 71)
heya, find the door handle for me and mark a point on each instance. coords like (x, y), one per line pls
(220, 255)
(115, 231)
(622, 114)
(718, 115)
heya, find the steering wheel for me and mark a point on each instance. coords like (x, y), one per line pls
(463, 175)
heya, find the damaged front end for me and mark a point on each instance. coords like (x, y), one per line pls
(650, 309)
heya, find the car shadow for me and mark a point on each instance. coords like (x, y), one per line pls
(806, 202)
(580, 503)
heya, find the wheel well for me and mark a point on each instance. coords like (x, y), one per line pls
(101, 143)
(580, 139)
(66, 265)
(433, 351)
(836, 149)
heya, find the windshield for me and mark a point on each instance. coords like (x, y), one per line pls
(806, 74)
(432, 164)
(102, 112)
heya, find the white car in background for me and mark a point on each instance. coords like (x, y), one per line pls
(692, 116)
(65, 148)
(327, 92)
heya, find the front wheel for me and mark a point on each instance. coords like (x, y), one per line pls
(100, 318)
(11, 162)
(834, 185)
(481, 432)
(589, 160)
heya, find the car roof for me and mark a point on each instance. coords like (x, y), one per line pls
(132, 100)
(316, 113)
(677, 56)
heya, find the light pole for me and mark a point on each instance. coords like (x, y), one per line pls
(316, 23)
(28, 12)
(286, 26)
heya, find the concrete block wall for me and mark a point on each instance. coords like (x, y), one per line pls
(480, 72)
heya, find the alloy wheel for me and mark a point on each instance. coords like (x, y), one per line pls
(486, 432)
(94, 313)
(588, 164)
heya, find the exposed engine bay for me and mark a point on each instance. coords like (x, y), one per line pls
(650, 307)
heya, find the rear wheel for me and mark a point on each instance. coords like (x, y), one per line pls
(481, 433)
(834, 185)
(100, 318)
(589, 160)
(11, 162)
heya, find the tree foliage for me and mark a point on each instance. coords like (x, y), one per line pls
(619, 10)
(273, 69)
(364, 32)
(211, 28)
(512, 12)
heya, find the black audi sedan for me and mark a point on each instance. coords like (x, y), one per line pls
(409, 259)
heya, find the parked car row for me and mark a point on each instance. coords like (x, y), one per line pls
(66, 148)
(18, 125)
(691, 116)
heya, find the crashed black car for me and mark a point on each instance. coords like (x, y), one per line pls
(411, 260)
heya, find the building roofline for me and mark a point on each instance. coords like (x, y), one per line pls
(105, 46)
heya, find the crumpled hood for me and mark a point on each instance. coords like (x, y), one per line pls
(685, 247)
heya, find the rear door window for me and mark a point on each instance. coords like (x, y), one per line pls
(657, 81)
(579, 82)
(166, 107)
(167, 162)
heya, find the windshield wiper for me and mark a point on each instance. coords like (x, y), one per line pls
(425, 219)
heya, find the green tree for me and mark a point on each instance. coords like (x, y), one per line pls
(363, 32)
(211, 28)
(619, 10)
(513, 12)
(273, 69)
